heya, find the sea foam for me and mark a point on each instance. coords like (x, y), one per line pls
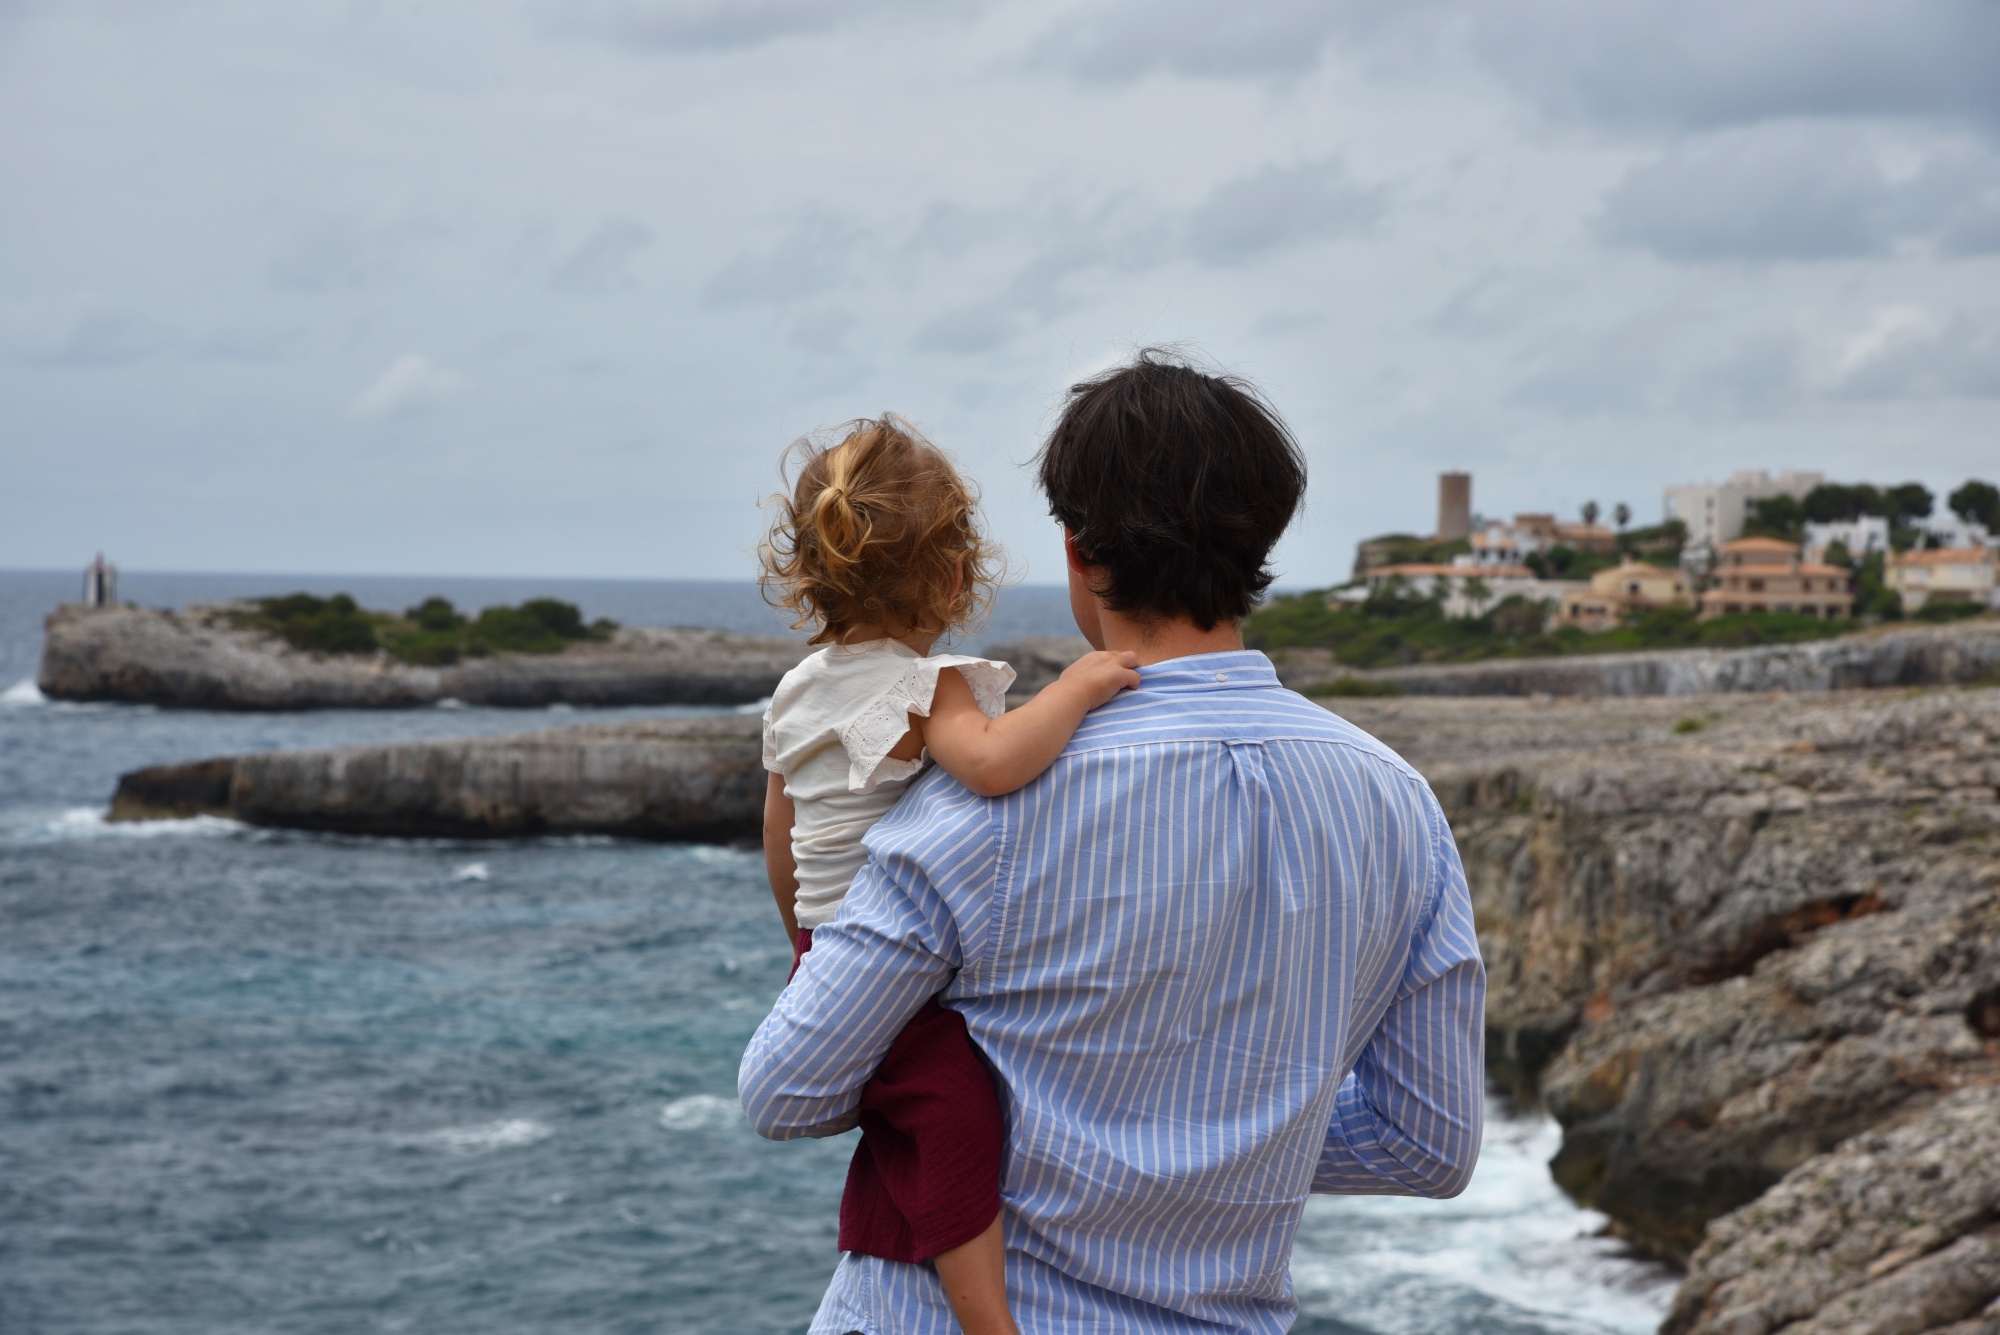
(95, 823)
(700, 1112)
(502, 1135)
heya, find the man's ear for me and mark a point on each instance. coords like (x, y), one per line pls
(1073, 553)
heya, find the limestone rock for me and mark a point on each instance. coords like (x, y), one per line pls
(1895, 1232)
(700, 779)
(196, 659)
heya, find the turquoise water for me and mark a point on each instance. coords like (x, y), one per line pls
(255, 1081)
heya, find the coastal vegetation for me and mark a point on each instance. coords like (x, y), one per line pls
(434, 633)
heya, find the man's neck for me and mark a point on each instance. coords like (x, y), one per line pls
(1156, 641)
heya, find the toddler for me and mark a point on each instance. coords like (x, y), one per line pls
(878, 547)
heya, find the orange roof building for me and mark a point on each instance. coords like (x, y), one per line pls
(1628, 587)
(1942, 575)
(1767, 575)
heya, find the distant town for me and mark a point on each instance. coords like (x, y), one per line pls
(1759, 558)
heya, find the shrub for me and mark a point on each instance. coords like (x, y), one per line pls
(333, 625)
(1933, 610)
(538, 626)
(435, 613)
(431, 634)
(1687, 725)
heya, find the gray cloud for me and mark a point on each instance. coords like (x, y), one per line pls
(1276, 208)
(1269, 211)
(1606, 372)
(814, 256)
(1707, 63)
(1802, 191)
(1127, 39)
(823, 330)
(1922, 359)
(1676, 63)
(349, 251)
(602, 261)
(1758, 376)
(969, 330)
(726, 25)
(100, 338)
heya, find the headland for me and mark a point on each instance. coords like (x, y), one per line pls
(220, 657)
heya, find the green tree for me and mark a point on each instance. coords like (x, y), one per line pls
(1781, 517)
(1908, 503)
(1590, 512)
(1977, 503)
(1517, 617)
(1621, 515)
(1831, 502)
(1836, 554)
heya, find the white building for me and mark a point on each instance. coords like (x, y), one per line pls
(1467, 590)
(1948, 530)
(1870, 533)
(1714, 512)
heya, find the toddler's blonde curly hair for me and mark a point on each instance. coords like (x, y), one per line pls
(879, 530)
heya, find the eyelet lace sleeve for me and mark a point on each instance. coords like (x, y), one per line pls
(874, 731)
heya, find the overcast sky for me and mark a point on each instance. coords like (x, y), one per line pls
(545, 286)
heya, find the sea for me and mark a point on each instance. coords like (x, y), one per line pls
(260, 1081)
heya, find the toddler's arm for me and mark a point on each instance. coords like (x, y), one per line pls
(992, 756)
(778, 862)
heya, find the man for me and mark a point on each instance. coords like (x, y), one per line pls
(1220, 955)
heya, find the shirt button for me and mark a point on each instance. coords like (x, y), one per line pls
(1221, 677)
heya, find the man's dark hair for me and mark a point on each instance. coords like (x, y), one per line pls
(1176, 484)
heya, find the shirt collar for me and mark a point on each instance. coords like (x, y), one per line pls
(1231, 669)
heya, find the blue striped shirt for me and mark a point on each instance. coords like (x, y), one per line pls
(1220, 955)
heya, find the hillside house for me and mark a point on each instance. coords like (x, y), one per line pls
(1467, 590)
(1766, 575)
(1943, 575)
(1498, 543)
(1628, 587)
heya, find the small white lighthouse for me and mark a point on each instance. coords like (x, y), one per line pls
(100, 583)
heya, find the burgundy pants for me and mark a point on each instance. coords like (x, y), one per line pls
(926, 1176)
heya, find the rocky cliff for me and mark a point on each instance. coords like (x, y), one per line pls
(665, 779)
(1967, 652)
(1745, 948)
(196, 659)
(1725, 939)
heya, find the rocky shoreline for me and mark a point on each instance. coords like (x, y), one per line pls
(1746, 949)
(668, 779)
(1950, 655)
(197, 659)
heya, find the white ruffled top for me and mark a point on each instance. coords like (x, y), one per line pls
(832, 722)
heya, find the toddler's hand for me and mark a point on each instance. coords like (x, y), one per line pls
(1103, 674)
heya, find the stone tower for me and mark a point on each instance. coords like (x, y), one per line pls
(1454, 506)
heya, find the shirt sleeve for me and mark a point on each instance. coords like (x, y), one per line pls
(1407, 1120)
(878, 723)
(914, 915)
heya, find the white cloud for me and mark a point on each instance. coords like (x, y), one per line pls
(1911, 353)
(410, 386)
